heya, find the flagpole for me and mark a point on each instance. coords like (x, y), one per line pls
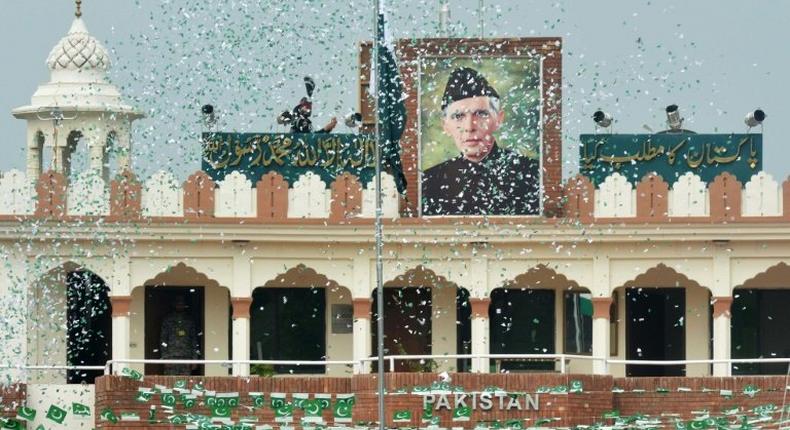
(378, 225)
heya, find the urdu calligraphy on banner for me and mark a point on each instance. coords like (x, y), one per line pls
(670, 155)
(290, 155)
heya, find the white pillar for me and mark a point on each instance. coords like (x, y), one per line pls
(120, 330)
(480, 333)
(600, 338)
(721, 335)
(363, 341)
(241, 334)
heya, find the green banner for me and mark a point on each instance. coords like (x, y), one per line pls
(290, 155)
(670, 155)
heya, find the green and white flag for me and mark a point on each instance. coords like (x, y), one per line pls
(299, 399)
(220, 411)
(131, 373)
(559, 389)
(284, 413)
(463, 413)
(80, 410)
(188, 400)
(257, 399)
(168, 398)
(401, 416)
(27, 414)
(177, 419)
(312, 410)
(56, 414)
(750, 390)
(108, 415)
(576, 386)
(343, 408)
(515, 424)
(144, 394)
(10, 423)
(277, 400)
(230, 400)
(152, 414)
(324, 399)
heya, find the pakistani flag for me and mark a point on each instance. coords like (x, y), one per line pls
(312, 410)
(56, 414)
(188, 400)
(257, 399)
(80, 410)
(462, 413)
(299, 399)
(131, 373)
(220, 411)
(168, 398)
(344, 404)
(324, 399)
(391, 107)
(576, 386)
(230, 400)
(402, 416)
(108, 415)
(144, 394)
(152, 414)
(11, 423)
(27, 414)
(277, 400)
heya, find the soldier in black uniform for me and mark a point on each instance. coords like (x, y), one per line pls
(484, 179)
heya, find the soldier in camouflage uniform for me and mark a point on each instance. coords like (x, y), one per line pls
(178, 339)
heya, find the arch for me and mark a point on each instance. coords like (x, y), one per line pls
(301, 314)
(73, 140)
(419, 276)
(667, 316)
(662, 276)
(775, 276)
(208, 307)
(70, 321)
(543, 277)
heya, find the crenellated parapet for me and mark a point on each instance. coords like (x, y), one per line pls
(272, 199)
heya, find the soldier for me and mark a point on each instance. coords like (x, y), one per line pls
(179, 340)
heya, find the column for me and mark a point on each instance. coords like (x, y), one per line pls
(721, 334)
(120, 329)
(362, 336)
(600, 338)
(241, 334)
(480, 332)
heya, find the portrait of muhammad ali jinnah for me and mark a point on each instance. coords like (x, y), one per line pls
(483, 177)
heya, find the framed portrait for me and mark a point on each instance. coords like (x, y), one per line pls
(480, 135)
(514, 168)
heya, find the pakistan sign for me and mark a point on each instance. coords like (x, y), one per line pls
(670, 155)
(290, 155)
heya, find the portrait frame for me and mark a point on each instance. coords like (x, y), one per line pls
(412, 53)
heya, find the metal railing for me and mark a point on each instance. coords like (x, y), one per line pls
(359, 366)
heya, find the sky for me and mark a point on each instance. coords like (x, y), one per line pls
(716, 59)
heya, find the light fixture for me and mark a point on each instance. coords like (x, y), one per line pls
(209, 119)
(602, 119)
(755, 118)
(674, 120)
(353, 119)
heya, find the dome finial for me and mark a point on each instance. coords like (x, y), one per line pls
(78, 14)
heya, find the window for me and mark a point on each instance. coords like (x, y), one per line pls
(578, 323)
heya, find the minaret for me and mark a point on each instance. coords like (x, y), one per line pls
(77, 110)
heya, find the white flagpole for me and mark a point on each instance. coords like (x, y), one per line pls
(378, 227)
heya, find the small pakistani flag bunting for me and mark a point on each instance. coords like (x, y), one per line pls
(80, 410)
(56, 414)
(108, 415)
(11, 423)
(462, 413)
(188, 400)
(27, 414)
(576, 387)
(167, 398)
(402, 416)
(514, 424)
(299, 399)
(257, 399)
(220, 411)
(750, 390)
(344, 404)
(284, 413)
(277, 400)
(324, 400)
(152, 414)
(144, 394)
(312, 410)
(230, 400)
(131, 373)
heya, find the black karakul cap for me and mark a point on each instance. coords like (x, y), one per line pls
(464, 83)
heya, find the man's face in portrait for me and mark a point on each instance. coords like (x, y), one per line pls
(471, 122)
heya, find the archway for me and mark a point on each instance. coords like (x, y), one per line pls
(760, 321)
(539, 312)
(181, 314)
(301, 315)
(71, 322)
(667, 317)
(425, 314)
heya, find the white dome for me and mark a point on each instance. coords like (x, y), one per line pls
(78, 51)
